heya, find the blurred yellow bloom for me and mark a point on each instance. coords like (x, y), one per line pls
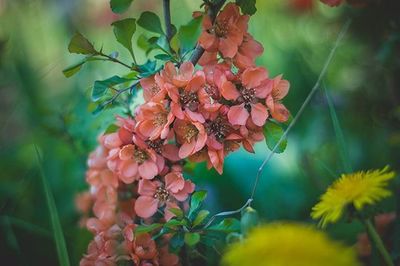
(357, 189)
(288, 244)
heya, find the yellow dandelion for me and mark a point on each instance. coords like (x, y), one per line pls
(283, 244)
(356, 189)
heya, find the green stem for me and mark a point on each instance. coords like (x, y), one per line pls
(378, 242)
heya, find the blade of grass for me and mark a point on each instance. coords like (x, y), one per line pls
(344, 156)
(25, 225)
(54, 219)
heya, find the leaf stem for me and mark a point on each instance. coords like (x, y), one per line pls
(378, 242)
(118, 93)
(116, 60)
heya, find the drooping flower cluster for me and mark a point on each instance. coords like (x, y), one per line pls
(189, 114)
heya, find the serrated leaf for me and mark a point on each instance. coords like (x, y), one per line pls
(273, 132)
(191, 239)
(140, 229)
(188, 34)
(151, 22)
(227, 225)
(123, 31)
(80, 45)
(196, 200)
(120, 6)
(201, 216)
(101, 86)
(72, 70)
(248, 7)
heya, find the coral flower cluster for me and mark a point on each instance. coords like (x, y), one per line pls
(135, 174)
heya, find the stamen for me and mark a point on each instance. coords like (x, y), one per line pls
(140, 156)
(161, 194)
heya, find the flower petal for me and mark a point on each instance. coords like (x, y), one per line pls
(237, 115)
(146, 206)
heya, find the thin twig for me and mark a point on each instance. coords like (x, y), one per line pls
(227, 213)
(119, 92)
(115, 60)
(167, 19)
(303, 106)
(295, 119)
(213, 10)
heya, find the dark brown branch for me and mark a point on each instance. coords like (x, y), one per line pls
(213, 10)
(167, 19)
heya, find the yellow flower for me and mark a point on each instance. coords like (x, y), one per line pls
(357, 189)
(286, 244)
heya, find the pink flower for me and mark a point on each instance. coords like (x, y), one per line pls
(191, 136)
(254, 86)
(153, 88)
(154, 194)
(138, 162)
(154, 120)
(226, 33)
(280, 89)
(248, 51)
(184, 91)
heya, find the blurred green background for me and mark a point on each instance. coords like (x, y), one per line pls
(39, 106)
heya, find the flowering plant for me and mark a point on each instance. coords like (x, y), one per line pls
(204, 97)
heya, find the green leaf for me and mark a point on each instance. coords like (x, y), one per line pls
(61, 247)
(191, 239)
(151, 22)
(273, 132)
(248, 7)
(120, 6)
(101, 86)
(163, 57)
(123, 31)
(200, 217)
(111, 129)
(196, 200)
(174, 223)
(140, 229)
(148, 69)
(176, 242)
(178, 212)
(72, 70)
(227, 225)
(249, 220)
(80, 45)
(188, 34)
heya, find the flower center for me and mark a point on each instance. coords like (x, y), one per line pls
(212, 91)
(155, 145)
(161, 194)
(190, 131)
(189, 99)
(155, 89)
(140, 156)
(221, 28)
(160, 119)
(219, 128)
